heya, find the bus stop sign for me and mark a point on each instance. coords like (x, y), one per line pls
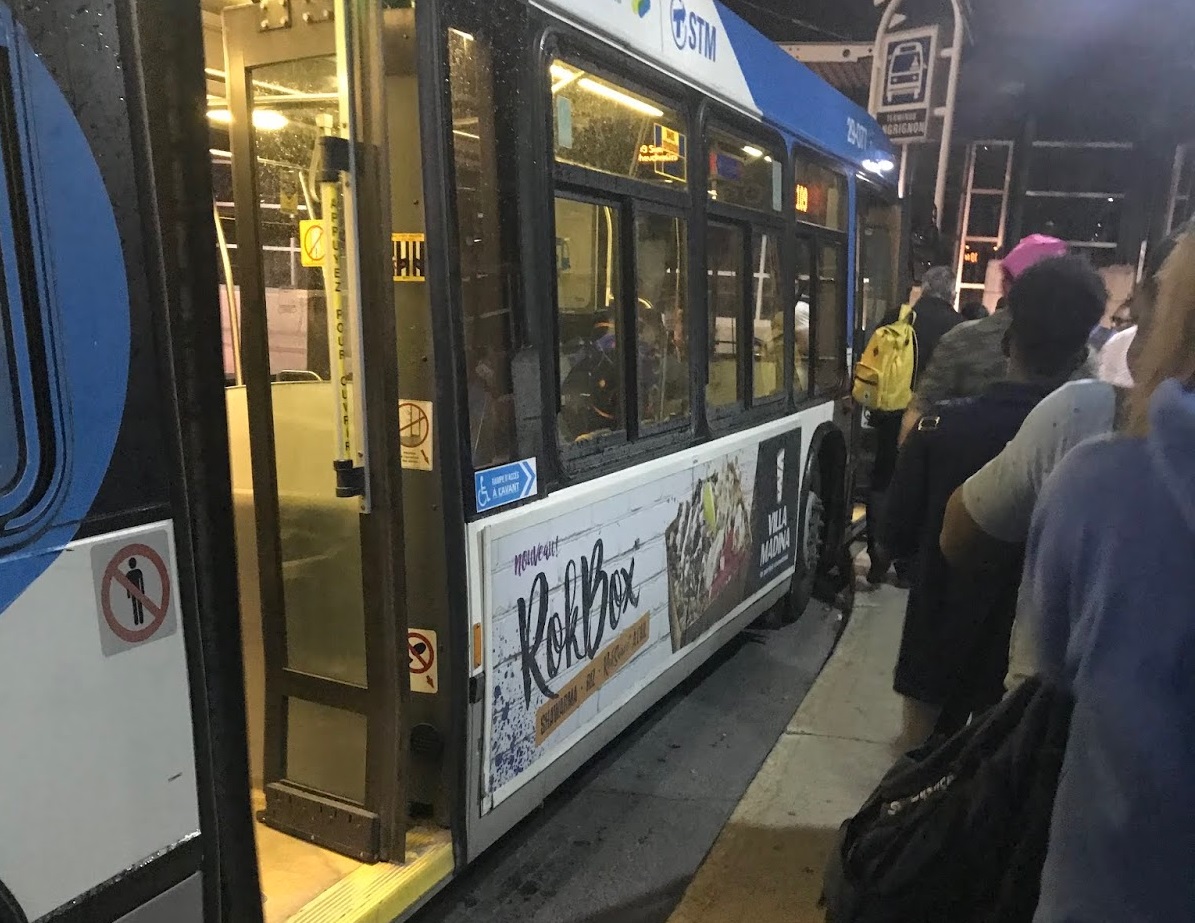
(907, 90)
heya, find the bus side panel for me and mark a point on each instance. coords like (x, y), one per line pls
(181, 904)
(98, 762)
(100, 795)
(585, 599)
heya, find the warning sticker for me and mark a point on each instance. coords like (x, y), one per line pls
(313, 243)
(425, 671)
(415, 434)
(133, 591)
(410, 257)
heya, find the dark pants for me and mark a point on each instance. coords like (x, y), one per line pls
(887, 429)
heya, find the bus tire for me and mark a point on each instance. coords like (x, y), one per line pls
(811, 546)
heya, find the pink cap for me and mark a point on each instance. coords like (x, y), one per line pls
(1032, 250)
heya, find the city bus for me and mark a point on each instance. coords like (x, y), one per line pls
(399, 399)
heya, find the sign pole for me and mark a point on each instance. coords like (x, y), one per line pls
(877, 54)
(956, 55)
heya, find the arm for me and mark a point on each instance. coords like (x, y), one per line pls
(988, 518)
(904, 511)
(912, 417)
(964, 542)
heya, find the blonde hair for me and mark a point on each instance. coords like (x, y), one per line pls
(1169, 349)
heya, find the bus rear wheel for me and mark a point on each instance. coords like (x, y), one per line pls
(811, 550)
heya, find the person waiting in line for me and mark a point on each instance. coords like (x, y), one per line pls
(1109, 581)
(1122, 319)
(974, 310)
(934, 317)
(1113, 361)
(954, 649)
(987, 519)
(971, 357)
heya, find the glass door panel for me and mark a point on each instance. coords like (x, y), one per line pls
(296, 105)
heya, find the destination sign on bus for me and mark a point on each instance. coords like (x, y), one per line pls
(651, 153)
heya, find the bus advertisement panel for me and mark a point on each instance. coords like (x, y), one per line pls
(592, 602)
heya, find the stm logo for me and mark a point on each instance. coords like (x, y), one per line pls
(641, 7)
(692, 33)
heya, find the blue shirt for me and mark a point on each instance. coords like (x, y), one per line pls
(1111, 576)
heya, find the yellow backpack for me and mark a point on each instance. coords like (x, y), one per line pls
(884, 375)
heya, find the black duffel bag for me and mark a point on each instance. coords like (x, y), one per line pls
(957, 831)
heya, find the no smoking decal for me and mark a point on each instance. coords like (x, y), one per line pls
(313, 243)
(421, 651)
(415, 434)
(133, 590)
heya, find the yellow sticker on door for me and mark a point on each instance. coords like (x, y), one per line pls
(410, 257)
(313, 243)
(415, 434)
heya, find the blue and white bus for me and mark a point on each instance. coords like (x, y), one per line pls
(397, 400)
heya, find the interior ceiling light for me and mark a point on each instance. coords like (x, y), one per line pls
(269, 120)
(263, 119)
(563, 77)
(623, 99)
(752, 151)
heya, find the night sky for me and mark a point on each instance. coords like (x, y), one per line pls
(1153, 23)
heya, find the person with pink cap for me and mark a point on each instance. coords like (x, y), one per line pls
(971, 356)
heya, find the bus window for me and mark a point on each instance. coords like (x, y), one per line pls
(726, 251)
(769, 315)
(805, 297)
(821, 195)
(488, 322)
(589, 296)
(879, 254)
(743, 174)
(606, 127)
(661, 244)
(829, 371)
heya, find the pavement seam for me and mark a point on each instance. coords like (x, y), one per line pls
(861, 740)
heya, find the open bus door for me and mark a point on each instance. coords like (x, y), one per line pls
(882, 249)
(319, 113)
(311, 423)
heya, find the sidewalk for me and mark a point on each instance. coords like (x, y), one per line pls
(766, 866)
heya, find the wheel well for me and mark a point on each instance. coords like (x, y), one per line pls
(828, 453)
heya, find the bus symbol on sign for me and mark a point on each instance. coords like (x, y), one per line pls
(908, 68)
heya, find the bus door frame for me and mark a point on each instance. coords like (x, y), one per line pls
(377, 829)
